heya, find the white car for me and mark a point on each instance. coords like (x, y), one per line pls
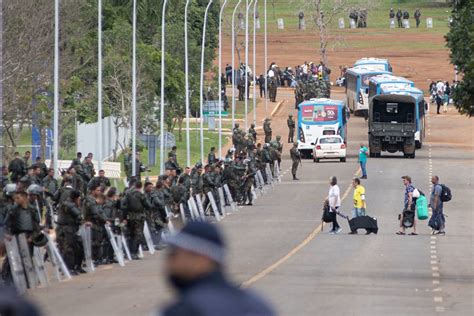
(329, 147)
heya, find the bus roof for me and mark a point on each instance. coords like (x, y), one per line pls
(387, 78)
(414, 92)
(366, 71)
(371, 60)
(323, 101)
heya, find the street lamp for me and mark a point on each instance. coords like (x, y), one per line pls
(254, 62)
(134, 88)
(56, 89)
(247, 7)
(266, 55)
(233, 62)
(162, 105)
(99, 82)
(186, 79)
(201, 93)
(219, 77)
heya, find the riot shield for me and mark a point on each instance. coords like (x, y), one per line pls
(199, 205)
(113, 242)
(195, 209)
(220, 190)
(269, 175)
(38, 210)
(229, 198)
(170, 223)
(125, 246)
(39, 267)
(148, 240)
(27, 262)
(16, 267)
(140, 252)
(191, 210)
(183, 213)
(51, 213)
(276, 171)
(85, 232)
(254, 194)
(214, 206)
(59, 259)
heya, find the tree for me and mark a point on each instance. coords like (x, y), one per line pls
(460, 40)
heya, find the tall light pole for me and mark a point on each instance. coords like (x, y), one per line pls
(162, 103)
(254, 62)
(266, 55)
(247, 7)
(233, 62)
(201, 87)
(219, 78)
(99, 82)
(186, 80)
(134, 88)
(56, 89)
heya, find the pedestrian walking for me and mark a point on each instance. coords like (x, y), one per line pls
(195, 268)
(296, 159)
(437, 221)
(447, 95)
(334, 199)
(407, 217)
(228, 74)
(363, 160)
(291, 128)
(359, 205)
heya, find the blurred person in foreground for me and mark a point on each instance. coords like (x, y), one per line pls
(195, 268)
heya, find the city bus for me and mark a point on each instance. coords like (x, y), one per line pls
(377, 83)
(318, 117)
(421, 107)
(374, 63)
(357, 87)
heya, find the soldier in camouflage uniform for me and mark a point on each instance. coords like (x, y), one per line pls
(93, 214)
(272, 88)
(267, 129)
(291, 128)
(296, 160)
(253, 132)
(69, 243)
(241, 88)
(136, 206)
(278, 146)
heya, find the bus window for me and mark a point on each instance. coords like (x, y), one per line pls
(329, 132)
(351, 82)
(372, 89)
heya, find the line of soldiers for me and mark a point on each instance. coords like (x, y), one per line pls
(404, 15)
(359, 16)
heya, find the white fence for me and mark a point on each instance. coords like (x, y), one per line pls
(112, 169)
(88, 142)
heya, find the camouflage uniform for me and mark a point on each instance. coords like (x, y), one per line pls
(136, 205)
(291, 128)
(268, 130)
(296, 159)
(69, 243)
(93, 213)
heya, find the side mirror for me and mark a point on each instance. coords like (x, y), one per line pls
(366, 90)
(312, 144)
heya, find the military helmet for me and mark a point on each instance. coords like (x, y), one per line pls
(291, 115)
(9, 189)
(40, 241)
(34, 189)
(236, 125)
(278, 137)
(198, 165)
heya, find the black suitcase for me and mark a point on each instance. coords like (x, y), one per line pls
(365, 222)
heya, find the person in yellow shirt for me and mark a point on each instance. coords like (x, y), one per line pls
(359, 198)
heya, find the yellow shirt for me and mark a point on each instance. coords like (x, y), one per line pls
(359, 192)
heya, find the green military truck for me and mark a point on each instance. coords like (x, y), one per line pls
(392, 125)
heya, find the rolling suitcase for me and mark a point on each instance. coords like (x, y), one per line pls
(363, 222)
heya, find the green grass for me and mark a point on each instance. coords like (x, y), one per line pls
(377, 17)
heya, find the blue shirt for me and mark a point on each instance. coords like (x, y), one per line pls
(437, 189)
(409, 188)
(363, 154)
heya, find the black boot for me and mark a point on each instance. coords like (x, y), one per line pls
(294, 177)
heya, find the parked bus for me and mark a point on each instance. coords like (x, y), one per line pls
(357, 87)
(318, 117)
(374, 63)
(377, 83)
(421, 108)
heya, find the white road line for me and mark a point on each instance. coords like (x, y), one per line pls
(434, 262)
(439, 309)
(435, 282)
(435, 275)
(438, 299)
(434, 268)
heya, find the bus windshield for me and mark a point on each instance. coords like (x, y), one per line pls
(319, 113)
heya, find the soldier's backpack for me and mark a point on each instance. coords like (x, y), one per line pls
(446, 195)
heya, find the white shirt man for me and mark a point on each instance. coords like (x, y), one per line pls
(440, 87)
(271, 73)
(334, 199)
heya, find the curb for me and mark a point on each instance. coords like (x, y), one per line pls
(277, 107)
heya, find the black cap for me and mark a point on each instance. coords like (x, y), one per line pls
(201, 238)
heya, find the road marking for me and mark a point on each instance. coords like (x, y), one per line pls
(435, 282)
(434, 268)
(434, 261)
(438, 299)
(433, 247)
(293, 251)
(439, 309)
(434, 256)
(433, 251)
(435, 275)
(433, 242)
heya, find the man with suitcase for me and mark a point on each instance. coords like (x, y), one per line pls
(407, 218)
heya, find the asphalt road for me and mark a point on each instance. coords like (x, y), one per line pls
(277, 246)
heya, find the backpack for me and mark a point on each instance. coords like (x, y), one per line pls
(446, 195)
(436, 221)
